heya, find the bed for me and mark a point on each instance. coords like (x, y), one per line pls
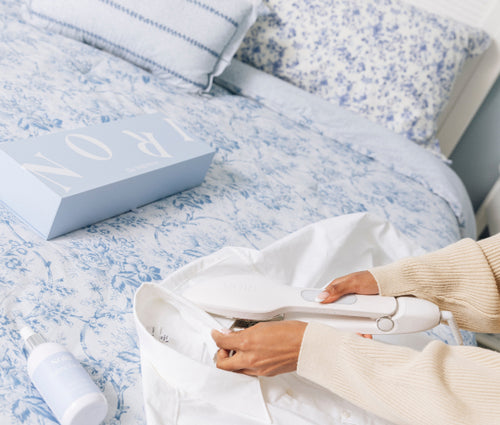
(285, 158)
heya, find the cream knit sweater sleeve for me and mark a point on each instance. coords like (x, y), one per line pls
(463, 278)
(445, 385)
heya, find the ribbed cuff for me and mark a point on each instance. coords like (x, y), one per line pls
(461, 278)
(425, 274)
(312, 360)
(491, 250)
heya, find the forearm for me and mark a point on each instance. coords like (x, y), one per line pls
(463, 278)
(442, 384)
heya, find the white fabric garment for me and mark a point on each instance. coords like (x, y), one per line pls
(180, 381)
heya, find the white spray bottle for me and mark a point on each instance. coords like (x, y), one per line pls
(63, 383)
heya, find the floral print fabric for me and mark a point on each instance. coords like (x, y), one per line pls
(389, 61)
(270, 176)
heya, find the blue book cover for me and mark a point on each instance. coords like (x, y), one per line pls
(63, 181)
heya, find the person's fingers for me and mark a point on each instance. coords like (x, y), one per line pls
(226, 339)
(355, 283)
(229, 357)
(334, 291)
(249, 372)
(231, 363)
(222, 355)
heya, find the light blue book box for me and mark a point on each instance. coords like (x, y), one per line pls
(63, 181)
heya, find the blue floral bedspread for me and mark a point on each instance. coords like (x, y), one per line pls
(272, 174)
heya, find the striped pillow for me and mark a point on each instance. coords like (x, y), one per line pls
(187, 41)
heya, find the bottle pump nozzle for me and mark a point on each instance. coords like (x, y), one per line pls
(31, 339)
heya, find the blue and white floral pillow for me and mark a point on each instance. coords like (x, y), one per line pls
(385, 59)
(186, 41)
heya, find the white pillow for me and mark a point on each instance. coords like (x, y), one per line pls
(187, 41)
(385, 59)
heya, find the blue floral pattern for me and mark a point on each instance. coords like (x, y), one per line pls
(270, 176)
(389, 61)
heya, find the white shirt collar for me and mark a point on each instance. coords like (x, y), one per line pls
(237, 394)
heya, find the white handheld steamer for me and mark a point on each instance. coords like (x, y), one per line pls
(250, 300)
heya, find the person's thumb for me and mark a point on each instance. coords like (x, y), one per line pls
(355, 283)
(333, 292)
(225, 338)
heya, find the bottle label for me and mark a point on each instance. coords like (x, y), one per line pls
(61, 380)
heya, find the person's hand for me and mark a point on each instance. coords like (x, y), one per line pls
(265, 349)
(355, 283)
(271, 348)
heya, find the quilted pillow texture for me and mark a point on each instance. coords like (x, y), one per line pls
(385, 59)
(186, 41)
